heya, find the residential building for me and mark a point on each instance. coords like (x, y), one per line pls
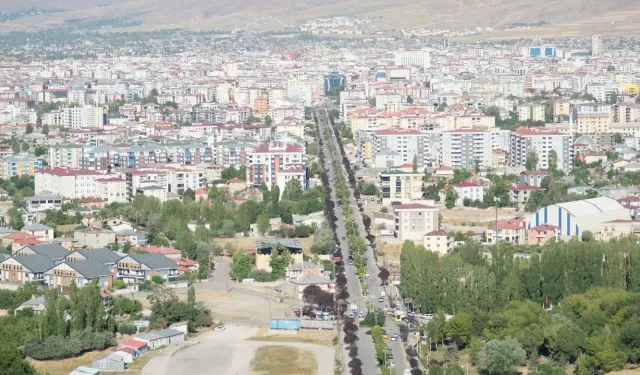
(418, 58)
(86, 116)
(525, 141)
(39, 231)
(22, 269)
(140, 267)
(615, 229)
(519, 195)
(65, 155)
(111, 189)
(94, 237)
(22, 164)
(470, 191)
(531, 112)
(466, 149)
(438, 241)
(398, 186)
(68, 183)
(81, 272)
(414, 220)
(513, 231)
(266, 161)
(596, 45)
(533, 178)
(540, 234)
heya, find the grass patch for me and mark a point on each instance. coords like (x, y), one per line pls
(283, 360)
(327, 338)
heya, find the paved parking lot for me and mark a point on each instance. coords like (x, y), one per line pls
(227, 353)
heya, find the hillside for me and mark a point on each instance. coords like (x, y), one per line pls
(566, 17)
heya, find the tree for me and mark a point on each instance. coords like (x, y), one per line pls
(613, 98)
(15, 219)
(532, 161)
(460, 326)
(409, 99)
(500, 357)
(587, 236)
(13, 362)
(588, 97)
(189, 194)
(292, 190)
(414, 165)
(29, 129)
(262, 223)
(638, 99)
(241, 265)
(383, 275)
(268, 120)
(279, 262)
(45, 129)
(450, 198)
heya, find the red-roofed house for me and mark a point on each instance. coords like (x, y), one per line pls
(169, 252)
(512, 230)
(235, 185)
(468, 190)
(540, 234)
(439, 242)
(68, 182)
(414, 220)
(519, 195)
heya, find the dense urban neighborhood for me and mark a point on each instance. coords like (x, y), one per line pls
(320, 201)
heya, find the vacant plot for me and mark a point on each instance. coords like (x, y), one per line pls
(250, 243)
(65, 366)
(269, 360)
(327, 338)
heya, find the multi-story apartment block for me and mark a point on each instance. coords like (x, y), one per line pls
(420, 59)
(111, 189)
(468, 191)
(407, 144)
(65, 155)
(179, 180)
(22, 164)
(466, 149)
(414, 220)
(627, 112)
(76, 118)
(68, 183)
(526, 141)
(532, 112)
(266, 161)
(139, 179)
(398, 186)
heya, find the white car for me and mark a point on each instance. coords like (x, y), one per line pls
(407, 371)
(394, 337)
(219, 328)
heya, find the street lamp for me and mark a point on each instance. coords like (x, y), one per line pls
(496, 200)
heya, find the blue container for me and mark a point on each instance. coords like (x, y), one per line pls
(286, 324)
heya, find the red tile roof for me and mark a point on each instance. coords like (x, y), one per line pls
(524, 187)
(544, 227)
(467, 184)
(161, 250)
(133, 343)
(70, 172)
(397, 131)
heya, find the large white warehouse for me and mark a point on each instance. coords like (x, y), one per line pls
(575, 217)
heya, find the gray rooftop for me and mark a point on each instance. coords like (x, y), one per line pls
(36, 263)
(103, 255)
(52, 251)
(155, 261)
(90, 268)
(36, 227)
(155, 335)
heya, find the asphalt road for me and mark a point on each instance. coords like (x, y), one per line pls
(365, 342)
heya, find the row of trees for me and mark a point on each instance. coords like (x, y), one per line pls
(572, 302)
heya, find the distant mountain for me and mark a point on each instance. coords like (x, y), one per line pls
(552, 17)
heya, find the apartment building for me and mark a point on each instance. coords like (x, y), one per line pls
(519, 195)
(111, 189)
(525, 141)
(266, 161)
(531, 112)
(140, 267)
(469, 191)
(418, 58)
(87, 116)
(414, 220)
(67, 182)
(406, 144)
(23, 164)
(439, 242)
(179, 180)
(65, 155)
(398, 186)
(466, 149)
(291, 172)
(627, 112)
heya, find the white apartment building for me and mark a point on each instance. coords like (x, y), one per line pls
(596, 45)
(526, 141)
(414, 220)
(76, 118)
(291, 172)
(468, 190)
(407, 144)
(398, 186)
(68, 183)
(179, 180)
(111, 189)
(533, 112)
(412, 58)
(266, 161)
(466, 149)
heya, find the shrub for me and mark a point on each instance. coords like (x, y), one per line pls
(119, 284)
(55, 347)
(157, 279)
(261, 276)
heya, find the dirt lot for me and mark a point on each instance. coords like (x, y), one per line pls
(267, 360)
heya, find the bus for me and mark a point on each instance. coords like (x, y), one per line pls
(398, 315)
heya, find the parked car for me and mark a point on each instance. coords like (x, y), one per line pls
(220, 328)
(394, 337)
